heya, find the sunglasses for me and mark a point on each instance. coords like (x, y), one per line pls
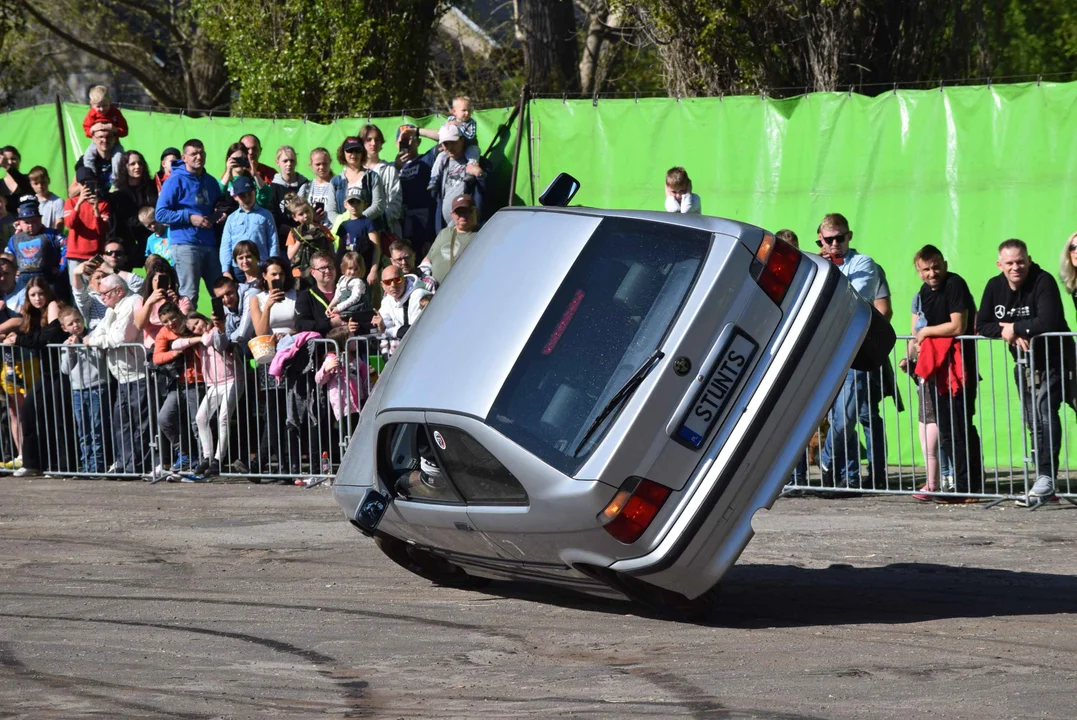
(831, 239)
(392, 281)
(114, 253)
(1073, 246)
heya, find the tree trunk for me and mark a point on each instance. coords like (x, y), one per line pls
(548, 29)
(592, 47)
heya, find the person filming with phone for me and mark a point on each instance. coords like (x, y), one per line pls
(159, 288)
(86, 216)
(272, 311)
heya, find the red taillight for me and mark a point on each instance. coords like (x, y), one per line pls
(632, 509)
(775, 265)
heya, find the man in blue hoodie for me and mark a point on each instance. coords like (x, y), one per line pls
(186, 207)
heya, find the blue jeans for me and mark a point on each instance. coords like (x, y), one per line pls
(858, 400)
(194, 263)
(88, 422)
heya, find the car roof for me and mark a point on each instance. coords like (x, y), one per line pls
(457, 356)
(745, 231)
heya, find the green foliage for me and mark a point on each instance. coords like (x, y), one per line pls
(16, 62)
(721, 46)
(322, 58)
(1033, 37)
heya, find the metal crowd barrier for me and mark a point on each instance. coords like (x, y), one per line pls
(995, 441)
(1050, 387)
(80, 411)
(77, 411)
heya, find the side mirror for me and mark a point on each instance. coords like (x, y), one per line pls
(560, 192)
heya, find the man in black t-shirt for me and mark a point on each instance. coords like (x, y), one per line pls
(950, 311)
(1018, 305)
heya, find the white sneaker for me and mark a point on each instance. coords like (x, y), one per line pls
(25, 471)
(949, 485)
(1044, 487)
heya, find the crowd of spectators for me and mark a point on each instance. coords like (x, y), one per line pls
(1021, 306)
(100, 291)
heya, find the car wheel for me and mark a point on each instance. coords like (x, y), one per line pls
(427, 565)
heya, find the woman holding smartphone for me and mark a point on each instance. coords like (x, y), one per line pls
(273, 309)
(272, 312)
(160, 287)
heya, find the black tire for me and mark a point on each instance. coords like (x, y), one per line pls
(427, 565)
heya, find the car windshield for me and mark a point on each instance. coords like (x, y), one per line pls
(606, 319)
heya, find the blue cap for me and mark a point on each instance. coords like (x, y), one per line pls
(29, 209)
(242, 184)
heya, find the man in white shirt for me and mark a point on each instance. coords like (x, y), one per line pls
(116, 333)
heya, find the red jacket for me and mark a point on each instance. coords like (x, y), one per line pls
(940, 360)
(85, 232)
(112, 116)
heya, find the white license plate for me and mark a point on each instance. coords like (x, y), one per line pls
(717, 390)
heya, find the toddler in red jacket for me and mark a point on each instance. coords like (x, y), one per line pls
(102, 112)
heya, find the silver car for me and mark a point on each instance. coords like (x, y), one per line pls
(602, 400)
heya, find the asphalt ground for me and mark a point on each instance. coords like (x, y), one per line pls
(231, 600)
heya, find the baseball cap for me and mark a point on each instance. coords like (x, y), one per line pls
(352, 144)
(29, 209)
(400, 131)
(83, 174)
(242, 184)
(355, 196)
(448, 133)
(462, 202)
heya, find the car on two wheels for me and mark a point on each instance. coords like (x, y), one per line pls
(602, 400)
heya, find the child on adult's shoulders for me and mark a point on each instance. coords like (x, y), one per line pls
(102, 115)
(460, 118)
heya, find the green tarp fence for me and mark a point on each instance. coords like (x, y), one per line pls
(962, 168)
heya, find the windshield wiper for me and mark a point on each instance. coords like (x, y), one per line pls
(620, 396)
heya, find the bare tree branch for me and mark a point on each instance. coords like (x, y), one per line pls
(153, 86)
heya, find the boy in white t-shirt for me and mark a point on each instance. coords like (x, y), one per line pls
(679, 195)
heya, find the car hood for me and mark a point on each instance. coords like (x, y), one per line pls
(458, 353)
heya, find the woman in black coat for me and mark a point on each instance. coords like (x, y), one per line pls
(133, 188)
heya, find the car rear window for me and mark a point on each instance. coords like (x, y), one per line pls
(610, 314)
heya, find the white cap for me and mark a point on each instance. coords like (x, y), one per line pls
(448, 133)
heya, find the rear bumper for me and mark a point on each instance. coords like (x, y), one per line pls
(747, 473)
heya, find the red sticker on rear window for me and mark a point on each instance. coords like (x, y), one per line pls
(566, 318)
